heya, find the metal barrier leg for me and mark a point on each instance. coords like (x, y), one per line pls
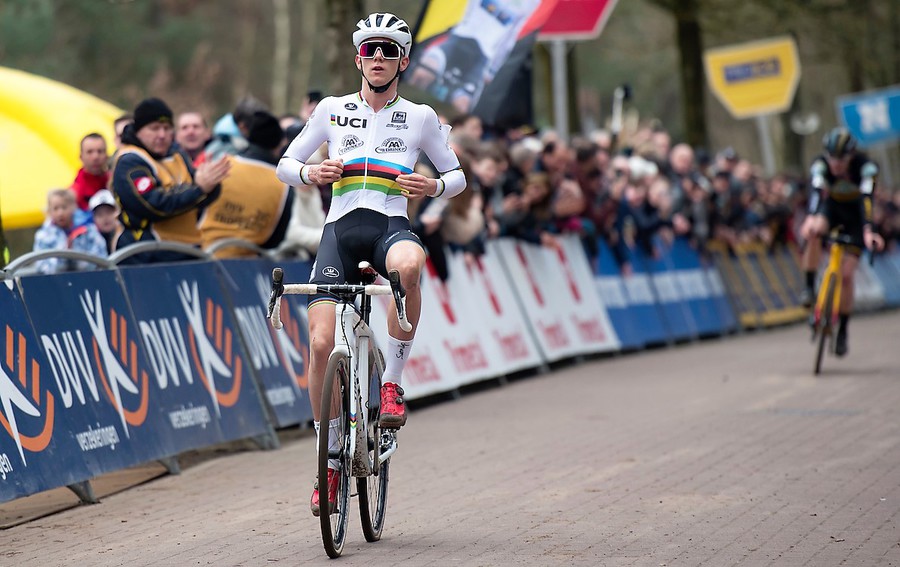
(267, 442)
(84, 491)
(171, 464)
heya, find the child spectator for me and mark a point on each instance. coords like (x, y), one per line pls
(59, 232)
(106, 212)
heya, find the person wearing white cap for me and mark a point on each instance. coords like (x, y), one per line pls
(106, 212)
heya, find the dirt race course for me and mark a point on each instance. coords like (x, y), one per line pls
(724, 452)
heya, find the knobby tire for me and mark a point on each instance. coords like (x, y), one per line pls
(373, 489)
(825, 324)
(335, 403)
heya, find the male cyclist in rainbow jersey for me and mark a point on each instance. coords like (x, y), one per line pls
(374, 139)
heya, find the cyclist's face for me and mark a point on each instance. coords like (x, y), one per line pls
(838, 165)
(379, 70)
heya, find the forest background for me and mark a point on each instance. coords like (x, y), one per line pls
(206, 54)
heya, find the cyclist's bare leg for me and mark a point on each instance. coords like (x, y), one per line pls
(408, 258)
(321, 342)
(813, 227)
(848, 270)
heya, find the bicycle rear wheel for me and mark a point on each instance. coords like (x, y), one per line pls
(824, 324)
(373, 489)
(335, 406)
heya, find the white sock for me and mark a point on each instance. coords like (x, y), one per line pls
(334, 441)
(395, 357)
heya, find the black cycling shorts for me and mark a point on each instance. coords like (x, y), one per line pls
(849, 215)
(360, 235)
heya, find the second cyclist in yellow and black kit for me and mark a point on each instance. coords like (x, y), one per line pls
(843, 183)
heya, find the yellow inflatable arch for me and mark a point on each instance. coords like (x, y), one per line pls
(42, 123)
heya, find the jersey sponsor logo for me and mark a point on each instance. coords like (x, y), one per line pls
(330, 272)
(143, 184)
(349, 142)
(398, 121)
(351, 106)
(337, 120)
(391, 146)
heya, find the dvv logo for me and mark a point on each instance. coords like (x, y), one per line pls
(26, 410)
(293, 349)
(211, 346)
(106, 360)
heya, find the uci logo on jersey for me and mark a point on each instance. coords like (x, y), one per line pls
(391, 146)
(350, 106)
(348, 143)
(344, 121)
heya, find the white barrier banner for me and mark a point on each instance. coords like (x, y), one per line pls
(497, 312)
(427, 371)
(558, 297)
(588, 310)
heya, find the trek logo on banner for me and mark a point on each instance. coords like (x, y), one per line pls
(512, 345)
(590, 329)
(204, 347)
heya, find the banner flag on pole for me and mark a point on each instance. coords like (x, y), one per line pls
(460, 48)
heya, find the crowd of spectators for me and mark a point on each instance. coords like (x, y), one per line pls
(635, 192)
(169, 180)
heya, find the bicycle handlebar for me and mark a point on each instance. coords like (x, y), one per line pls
(279, 288)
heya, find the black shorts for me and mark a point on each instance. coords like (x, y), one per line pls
(361, 234)
(849, 215)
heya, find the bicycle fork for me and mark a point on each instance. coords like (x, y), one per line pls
(833, 271)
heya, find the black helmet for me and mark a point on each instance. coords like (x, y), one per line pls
(839, 142)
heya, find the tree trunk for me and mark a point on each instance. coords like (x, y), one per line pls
(341, 17)
(310, 22)
(281, 59)
(690, 46)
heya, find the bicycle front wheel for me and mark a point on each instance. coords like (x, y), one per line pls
(335, 424)
(824, 329)
(373, 489)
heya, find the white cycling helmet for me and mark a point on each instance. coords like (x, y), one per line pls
(383, 24)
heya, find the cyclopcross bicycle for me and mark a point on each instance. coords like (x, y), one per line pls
(827, 309)
(351, 403)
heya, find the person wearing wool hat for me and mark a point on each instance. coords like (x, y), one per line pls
(254, 205)
(160, 193)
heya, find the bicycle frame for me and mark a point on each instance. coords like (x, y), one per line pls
(349, 324)
(833, 269)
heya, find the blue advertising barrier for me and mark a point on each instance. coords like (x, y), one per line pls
(615, 297)
(887, 268)
(695, 288)
(280, 358)
(40, 430)
(98, 372)
(644, 302)
(672, 302)
(196, 355)
(724, 308)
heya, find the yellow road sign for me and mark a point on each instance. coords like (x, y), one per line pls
(754, 78)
